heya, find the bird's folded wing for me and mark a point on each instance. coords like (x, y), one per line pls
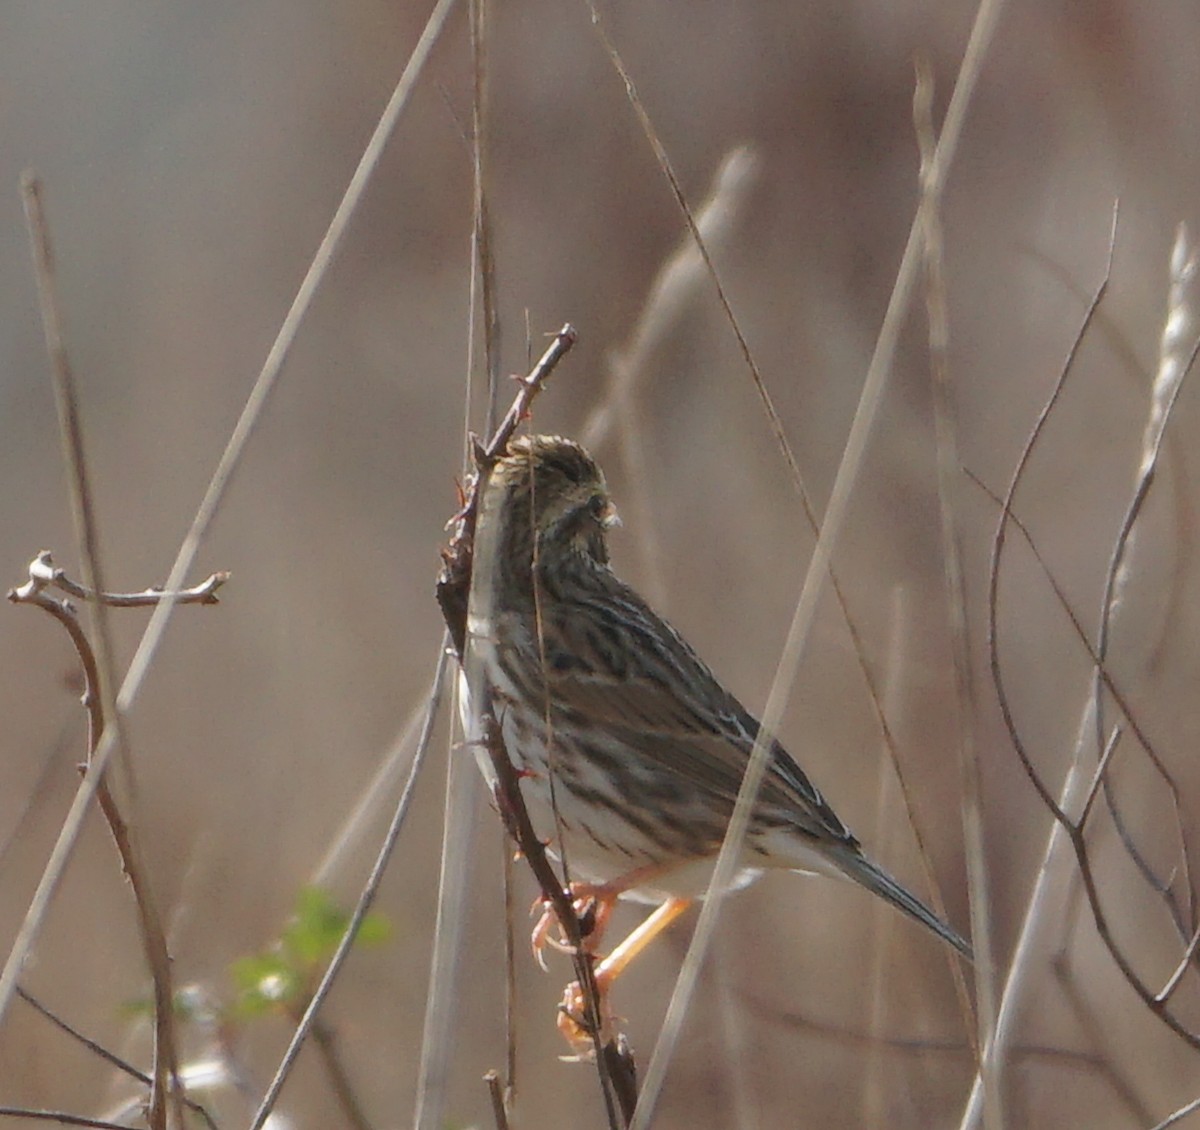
(704, 737)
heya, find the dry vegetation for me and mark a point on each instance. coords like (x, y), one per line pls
(192, 156)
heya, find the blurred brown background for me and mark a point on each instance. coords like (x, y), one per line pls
(193, 155)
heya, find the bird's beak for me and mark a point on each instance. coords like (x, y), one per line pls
(609, 518)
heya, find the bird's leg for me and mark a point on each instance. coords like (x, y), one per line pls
(573, 1021)
(593, 904)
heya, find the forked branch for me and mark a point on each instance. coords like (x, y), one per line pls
(1074, 825)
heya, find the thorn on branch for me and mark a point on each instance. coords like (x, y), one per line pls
(454, 579)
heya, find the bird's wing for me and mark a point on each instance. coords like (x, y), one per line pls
(612, 660)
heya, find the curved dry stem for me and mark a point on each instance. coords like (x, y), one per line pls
(98, 665)
(1071, 827)
(1173, 369)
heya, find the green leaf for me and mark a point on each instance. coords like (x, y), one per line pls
(266, 982)
(316, 927)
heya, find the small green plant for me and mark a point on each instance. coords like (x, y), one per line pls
(282, 977)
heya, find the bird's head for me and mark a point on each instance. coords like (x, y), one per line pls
(555, 487)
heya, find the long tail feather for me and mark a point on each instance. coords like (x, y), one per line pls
(879, 882)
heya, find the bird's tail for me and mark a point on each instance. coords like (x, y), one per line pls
(879, 882)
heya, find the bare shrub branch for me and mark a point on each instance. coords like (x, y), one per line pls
(1157, 1001)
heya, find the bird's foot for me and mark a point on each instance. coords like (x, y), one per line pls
(593, 904)
(582, 1026)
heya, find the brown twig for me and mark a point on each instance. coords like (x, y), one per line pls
(454, 580)
(614, 1063)
(496, 1091)
(774, 420)
(153, 938)
(43, 569)
(59, 1116)
(100, 693)
(339, 1078)
(109, 1057)
(1174, 365)
(96, 1049)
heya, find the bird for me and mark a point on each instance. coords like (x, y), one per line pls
(630, 750)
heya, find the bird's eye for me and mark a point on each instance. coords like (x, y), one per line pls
(603, 511)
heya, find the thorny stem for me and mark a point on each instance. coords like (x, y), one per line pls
(614, 1062)
(616, 1065)
(454, 582)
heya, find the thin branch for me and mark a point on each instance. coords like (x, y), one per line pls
(103, 1053)
(999, 539)
(59, 1116)
(44, 569)
(510, 977)
(339, 1078)
(1072, 828)
(874, 1093)
(1075, 836)
(1174, 365)
(482, 238)
(1173, 1120)
(1099, 776)
(102, 687)
(664, 163)
(363, 906)
(91, 1045)
(496, 1092)
(454, 581)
